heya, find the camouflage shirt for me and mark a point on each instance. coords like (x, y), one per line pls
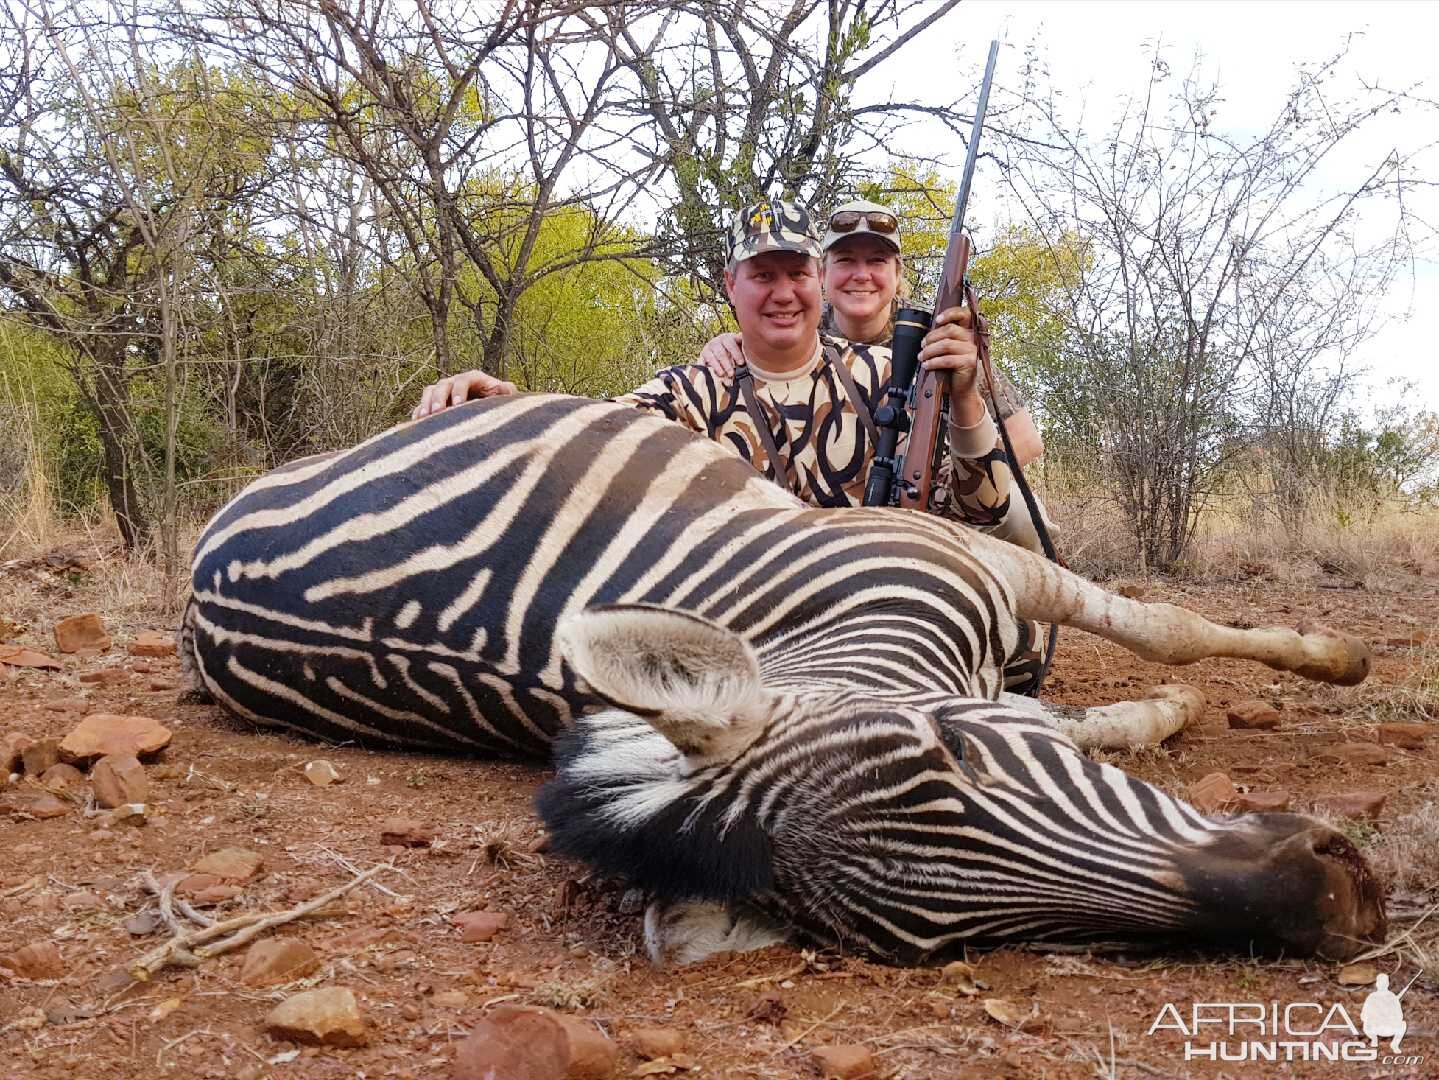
(817, 428)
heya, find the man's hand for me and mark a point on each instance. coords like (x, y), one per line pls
(951, 346)
(722, 354)
(458, 389)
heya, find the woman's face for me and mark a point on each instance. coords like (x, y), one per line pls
(861, 275)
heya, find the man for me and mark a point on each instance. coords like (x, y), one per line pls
(802, 411)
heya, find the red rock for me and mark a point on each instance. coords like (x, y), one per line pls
(118, 779)
(231, 864)
(69, 704)
(104, 734)
(403, 832)
(1212, 793)
(19, 656)
(847, 1061)
(480, 925)
(152, 643)
(1407, 736)
(214, 894)
(38, 960)
(105, 676)
(12, 751)
(656, 1042)
(450, 999)
(40, 755)
(1354, 804)
(1131, 590)
(513, 1044)
(329, 1016)
(132, 814)
(1254, 716)
(1261, 802)
(162, 684)
(277, 960)
(591, 1055)
(61, 778)
(81, 632)
(81, 901)
(193, 883)
(44, 807)
(1356, 753)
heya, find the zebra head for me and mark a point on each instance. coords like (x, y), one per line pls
(905, 825)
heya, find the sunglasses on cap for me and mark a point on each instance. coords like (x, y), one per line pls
(874, 220)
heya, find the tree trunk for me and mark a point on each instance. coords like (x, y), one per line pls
(111, 405)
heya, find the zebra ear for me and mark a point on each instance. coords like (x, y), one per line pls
(696, 682)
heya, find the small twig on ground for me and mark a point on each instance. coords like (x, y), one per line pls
(176, 1042)
(806, 1031)
(347, 865)
(189, 949)
(167, 898)
(778, 976)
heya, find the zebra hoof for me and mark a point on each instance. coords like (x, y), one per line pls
(1333, 657)
(1187, 703)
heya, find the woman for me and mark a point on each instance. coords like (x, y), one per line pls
(862, 274)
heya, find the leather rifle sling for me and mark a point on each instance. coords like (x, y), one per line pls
(782, 465)
(846, 379)
(981, 328)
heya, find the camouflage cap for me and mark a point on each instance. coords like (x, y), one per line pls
(771, 225)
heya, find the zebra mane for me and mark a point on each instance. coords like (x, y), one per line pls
(624, 801)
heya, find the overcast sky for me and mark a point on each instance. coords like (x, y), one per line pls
(1098, 50)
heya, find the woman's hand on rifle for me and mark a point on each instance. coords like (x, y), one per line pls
(722, 354)
(458, 389)
(951, 345)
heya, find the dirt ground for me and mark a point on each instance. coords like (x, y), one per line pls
(575, 946)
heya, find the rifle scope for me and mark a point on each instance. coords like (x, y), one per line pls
(892, 416)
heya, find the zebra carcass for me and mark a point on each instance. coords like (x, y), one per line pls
(779, 720)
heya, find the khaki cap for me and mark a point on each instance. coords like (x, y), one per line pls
(863, 207)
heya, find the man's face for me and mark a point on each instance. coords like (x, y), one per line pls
(776, 301)
(861, 274)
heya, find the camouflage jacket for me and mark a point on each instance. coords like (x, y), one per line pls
(815, 425)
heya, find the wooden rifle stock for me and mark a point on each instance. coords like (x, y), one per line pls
(929, 399)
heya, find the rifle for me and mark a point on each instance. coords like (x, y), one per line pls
(908, 482)
(921, 407)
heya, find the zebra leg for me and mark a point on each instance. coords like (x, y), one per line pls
(1164, 633)
(1126, 725)
(687, 931)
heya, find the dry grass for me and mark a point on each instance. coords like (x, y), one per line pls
(1406, 852)
(28, 516)
(1242, 538)
(130, 591)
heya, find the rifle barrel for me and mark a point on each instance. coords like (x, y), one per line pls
(971, 156)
